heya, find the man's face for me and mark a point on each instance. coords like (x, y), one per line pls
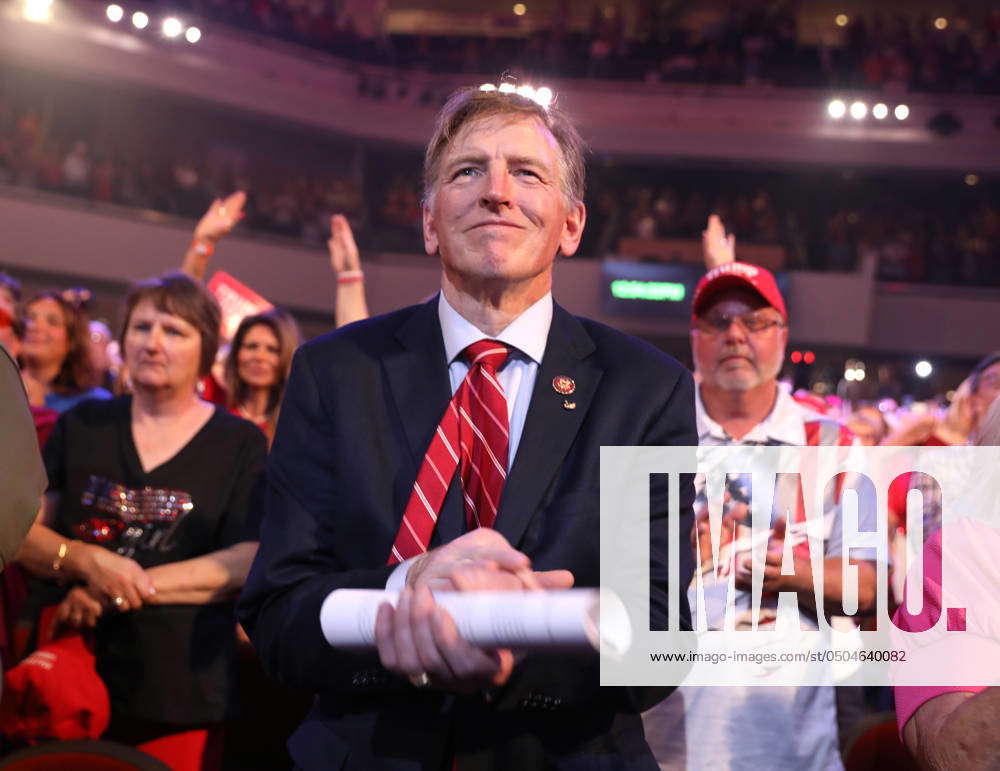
(734, 358)
(499, 213)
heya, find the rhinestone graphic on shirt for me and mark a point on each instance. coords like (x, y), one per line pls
(143, 518)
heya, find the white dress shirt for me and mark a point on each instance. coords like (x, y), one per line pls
(526, 336)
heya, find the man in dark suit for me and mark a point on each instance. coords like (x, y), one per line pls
(353, 461)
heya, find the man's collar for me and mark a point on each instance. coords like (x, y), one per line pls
(527, 333)
(783, 424)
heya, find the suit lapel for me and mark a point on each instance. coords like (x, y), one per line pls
(418, 377)
(549, 428)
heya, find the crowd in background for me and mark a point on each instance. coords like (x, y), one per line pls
(165, 355)
(169, 412)
(132, 150)
(71, 139)
(747, 43)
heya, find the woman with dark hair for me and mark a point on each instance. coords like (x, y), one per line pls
(258, 364)
(56, 364)
(149, 517)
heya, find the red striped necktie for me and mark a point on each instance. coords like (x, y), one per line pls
(473, 433)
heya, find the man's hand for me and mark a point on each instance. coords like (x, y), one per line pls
(343, 250)
(481, 560)
(774, 581)
(716, 246)
(79, 609)
(221, 217)
(961, 417)
(418, 637)
(701, 534)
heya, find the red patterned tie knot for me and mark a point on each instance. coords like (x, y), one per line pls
(473, 437)
(491, 354)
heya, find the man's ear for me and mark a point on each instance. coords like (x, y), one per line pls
(572, 232)
(430, 231)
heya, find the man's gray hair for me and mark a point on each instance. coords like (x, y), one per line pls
(470, 104)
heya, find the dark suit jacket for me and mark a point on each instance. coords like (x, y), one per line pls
(361, 406)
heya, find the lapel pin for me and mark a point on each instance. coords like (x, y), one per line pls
(563, 384)
(568, 405)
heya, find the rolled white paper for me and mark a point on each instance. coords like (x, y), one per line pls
(568, 619)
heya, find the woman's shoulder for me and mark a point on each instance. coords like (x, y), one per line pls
(95, 410)
(66, 402)
(237, 428)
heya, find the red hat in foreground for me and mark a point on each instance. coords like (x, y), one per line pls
(741, 275)
(55, 693)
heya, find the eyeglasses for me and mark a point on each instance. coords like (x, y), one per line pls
(755, 323)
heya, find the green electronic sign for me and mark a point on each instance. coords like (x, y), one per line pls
(653, 291)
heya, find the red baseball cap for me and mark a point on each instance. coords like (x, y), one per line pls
(742, 275)
(55, 693)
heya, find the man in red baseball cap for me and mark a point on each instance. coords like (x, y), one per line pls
(739, 275)
(739, 329)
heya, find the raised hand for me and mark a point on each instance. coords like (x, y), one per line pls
(221, 217)
(716, 246)
(343, 250)
(961, 418)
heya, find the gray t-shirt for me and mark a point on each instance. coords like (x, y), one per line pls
(22, 474)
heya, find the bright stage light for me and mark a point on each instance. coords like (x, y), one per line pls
(37, 10)
(140, 20)
(902, 112)
(972, 180)
(172, 26)
(115, 13)
(880, 111)
(541, 96)
(859, 110)
(836, 109)
(193, 34)
(923, 368)
(544, 96)
(940, 23)
(841, 19)
(520, 9)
